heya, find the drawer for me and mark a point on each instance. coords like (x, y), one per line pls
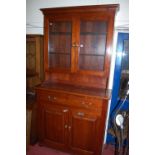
(72, 100)
(52, 97)
(85, 102)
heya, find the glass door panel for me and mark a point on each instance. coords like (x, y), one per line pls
(92, 45)
(59, 52)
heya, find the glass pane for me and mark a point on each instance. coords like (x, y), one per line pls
(124, 69)
(59, 60)
(88, 60)
(92, 45)
(59, 44)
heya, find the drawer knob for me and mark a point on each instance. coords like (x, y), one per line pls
(69, 127)
(81, 45)
(80, 113)
(83, 102)
(90, 103)
(65, 110)
(49, 97)
(54, 98)
(66, 126)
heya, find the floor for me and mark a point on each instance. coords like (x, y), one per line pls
(41, 150)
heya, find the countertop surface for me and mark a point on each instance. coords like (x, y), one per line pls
(78, 90)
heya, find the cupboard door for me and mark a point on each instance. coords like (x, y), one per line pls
(54, 125)
(59, 44)
(83, 132)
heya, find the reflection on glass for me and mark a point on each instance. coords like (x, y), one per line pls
(124, 70)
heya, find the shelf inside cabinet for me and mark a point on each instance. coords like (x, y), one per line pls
(59, 53)
(88, 62)
(60, 33)
(90, 54)
(92, 33)
(59, 60)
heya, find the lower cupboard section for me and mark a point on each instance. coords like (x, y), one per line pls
(74, 130)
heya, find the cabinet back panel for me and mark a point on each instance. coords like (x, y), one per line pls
(78, 79)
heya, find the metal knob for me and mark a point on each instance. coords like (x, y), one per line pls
(54, 98)
(75, 45)
(90, 103)
(83, 102)
(81, 45)
(49, 97)
(65, 110)
(80, 113)
(66, 126)
(69, 127)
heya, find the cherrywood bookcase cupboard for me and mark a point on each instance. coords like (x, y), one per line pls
(73, 99)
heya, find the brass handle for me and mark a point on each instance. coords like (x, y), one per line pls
(65, 110)
(49, 97)
(90, 103)
(69, 127)
(54, 98)
(75, 45)
(80, 113)
(81, 45)
(83, 102)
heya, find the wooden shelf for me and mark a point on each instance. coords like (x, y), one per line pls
(92, 33)
(58, 53)
(60, 33)
(89, 54)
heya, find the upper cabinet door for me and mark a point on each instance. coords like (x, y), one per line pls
(92, 45)
(59, 44)
(94, 40)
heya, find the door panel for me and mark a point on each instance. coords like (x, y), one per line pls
(59, 49)
(54, 121)
(83, 132)
(92, 45)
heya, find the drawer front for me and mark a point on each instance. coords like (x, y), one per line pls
(76, 101)
(85, 102)
(52, 97)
